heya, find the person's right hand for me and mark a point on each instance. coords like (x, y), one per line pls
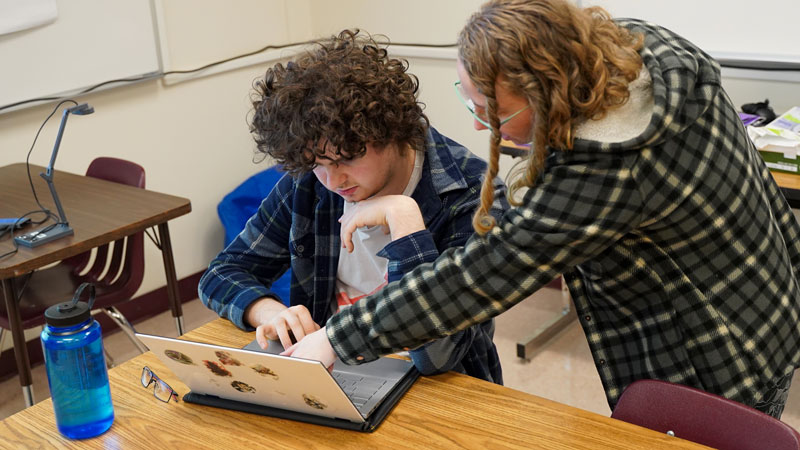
(293, 322)
(316, 347)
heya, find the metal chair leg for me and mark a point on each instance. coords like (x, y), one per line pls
(172, 279)
(2, 338)
(125, 326)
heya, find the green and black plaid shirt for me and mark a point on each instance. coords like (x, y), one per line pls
(680, 253)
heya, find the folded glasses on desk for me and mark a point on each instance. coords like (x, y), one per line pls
(161, 390)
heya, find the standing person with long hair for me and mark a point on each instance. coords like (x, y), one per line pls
(643, 189)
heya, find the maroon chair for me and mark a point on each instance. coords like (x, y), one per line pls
(702, 417)
(116, 269)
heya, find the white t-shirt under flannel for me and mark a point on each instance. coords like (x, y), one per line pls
(363, 272)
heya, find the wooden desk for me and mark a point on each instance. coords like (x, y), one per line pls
(100, 212)
(790, 186)
(443, 411)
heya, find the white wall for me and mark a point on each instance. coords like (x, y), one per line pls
(192, 136)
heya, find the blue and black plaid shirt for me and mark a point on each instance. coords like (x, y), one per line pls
(680, 252)
(297, 225)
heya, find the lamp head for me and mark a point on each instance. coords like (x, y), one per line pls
(81, 110)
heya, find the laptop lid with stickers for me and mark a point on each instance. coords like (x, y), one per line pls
(234, 378)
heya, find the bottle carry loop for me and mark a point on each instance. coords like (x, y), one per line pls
(77, 297)
(71, 306)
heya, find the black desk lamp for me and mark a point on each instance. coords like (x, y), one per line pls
(61, 229)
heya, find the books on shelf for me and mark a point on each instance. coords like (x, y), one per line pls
(778, 142)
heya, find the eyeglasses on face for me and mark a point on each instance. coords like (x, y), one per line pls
(161, 390)
(480, 117)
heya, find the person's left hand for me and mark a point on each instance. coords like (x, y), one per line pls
(398, 214)
(314, 346)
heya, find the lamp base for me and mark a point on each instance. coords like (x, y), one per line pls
(41, 236)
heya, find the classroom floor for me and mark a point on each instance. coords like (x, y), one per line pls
(563, 371)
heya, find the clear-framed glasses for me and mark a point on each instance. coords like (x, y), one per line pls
(480, 117)
(161, 390)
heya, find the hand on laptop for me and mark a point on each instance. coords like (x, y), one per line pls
(398, 214)
(289, 326)
(315, 346)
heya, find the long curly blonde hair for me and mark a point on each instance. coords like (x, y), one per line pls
(571, 64)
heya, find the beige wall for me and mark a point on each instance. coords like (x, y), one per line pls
(192, 136)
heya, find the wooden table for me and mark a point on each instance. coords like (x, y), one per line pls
(100, 212)
(443, 411)
(790, 186)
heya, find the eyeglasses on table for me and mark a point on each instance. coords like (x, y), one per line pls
(161, 390)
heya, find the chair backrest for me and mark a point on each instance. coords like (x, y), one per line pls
(118, 275)
(702, 417)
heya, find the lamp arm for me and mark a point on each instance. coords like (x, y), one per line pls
(48, 173)
(49, 170)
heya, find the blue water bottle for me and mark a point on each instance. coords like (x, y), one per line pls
(76, 368)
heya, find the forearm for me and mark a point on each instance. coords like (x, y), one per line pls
(404, 217)
(408, 252)
(230, 291)
(438, 299)
(490, 274)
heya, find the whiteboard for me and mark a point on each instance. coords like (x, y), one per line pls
(727, 29)
(90, 42)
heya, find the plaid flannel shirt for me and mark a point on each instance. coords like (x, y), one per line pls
(679, 250)
(297, 225)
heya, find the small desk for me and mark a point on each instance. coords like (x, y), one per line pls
(443, 411)
(790, 186)
(100, 212)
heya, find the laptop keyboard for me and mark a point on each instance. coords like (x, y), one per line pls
(359, 388)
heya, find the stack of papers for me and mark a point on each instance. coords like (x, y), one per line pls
(779, 141)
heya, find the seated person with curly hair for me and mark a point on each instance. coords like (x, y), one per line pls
(344, 122)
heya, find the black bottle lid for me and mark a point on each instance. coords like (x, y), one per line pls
(73, 312)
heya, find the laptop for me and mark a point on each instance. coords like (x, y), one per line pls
(262, 382)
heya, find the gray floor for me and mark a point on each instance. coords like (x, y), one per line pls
(563, 371)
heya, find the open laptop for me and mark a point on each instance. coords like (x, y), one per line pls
(263, 382)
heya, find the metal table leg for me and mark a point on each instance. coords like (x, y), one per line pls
(172, 279)
(20, 349)
(536, 340)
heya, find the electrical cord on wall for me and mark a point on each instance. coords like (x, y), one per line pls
(733, 64)
(198, 69)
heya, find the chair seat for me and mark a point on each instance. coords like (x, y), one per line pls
(51, 286)
(702, 417)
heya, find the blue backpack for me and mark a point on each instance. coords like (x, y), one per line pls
(239, 205)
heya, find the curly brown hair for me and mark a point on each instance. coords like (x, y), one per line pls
(340, 95)
(571, 64)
